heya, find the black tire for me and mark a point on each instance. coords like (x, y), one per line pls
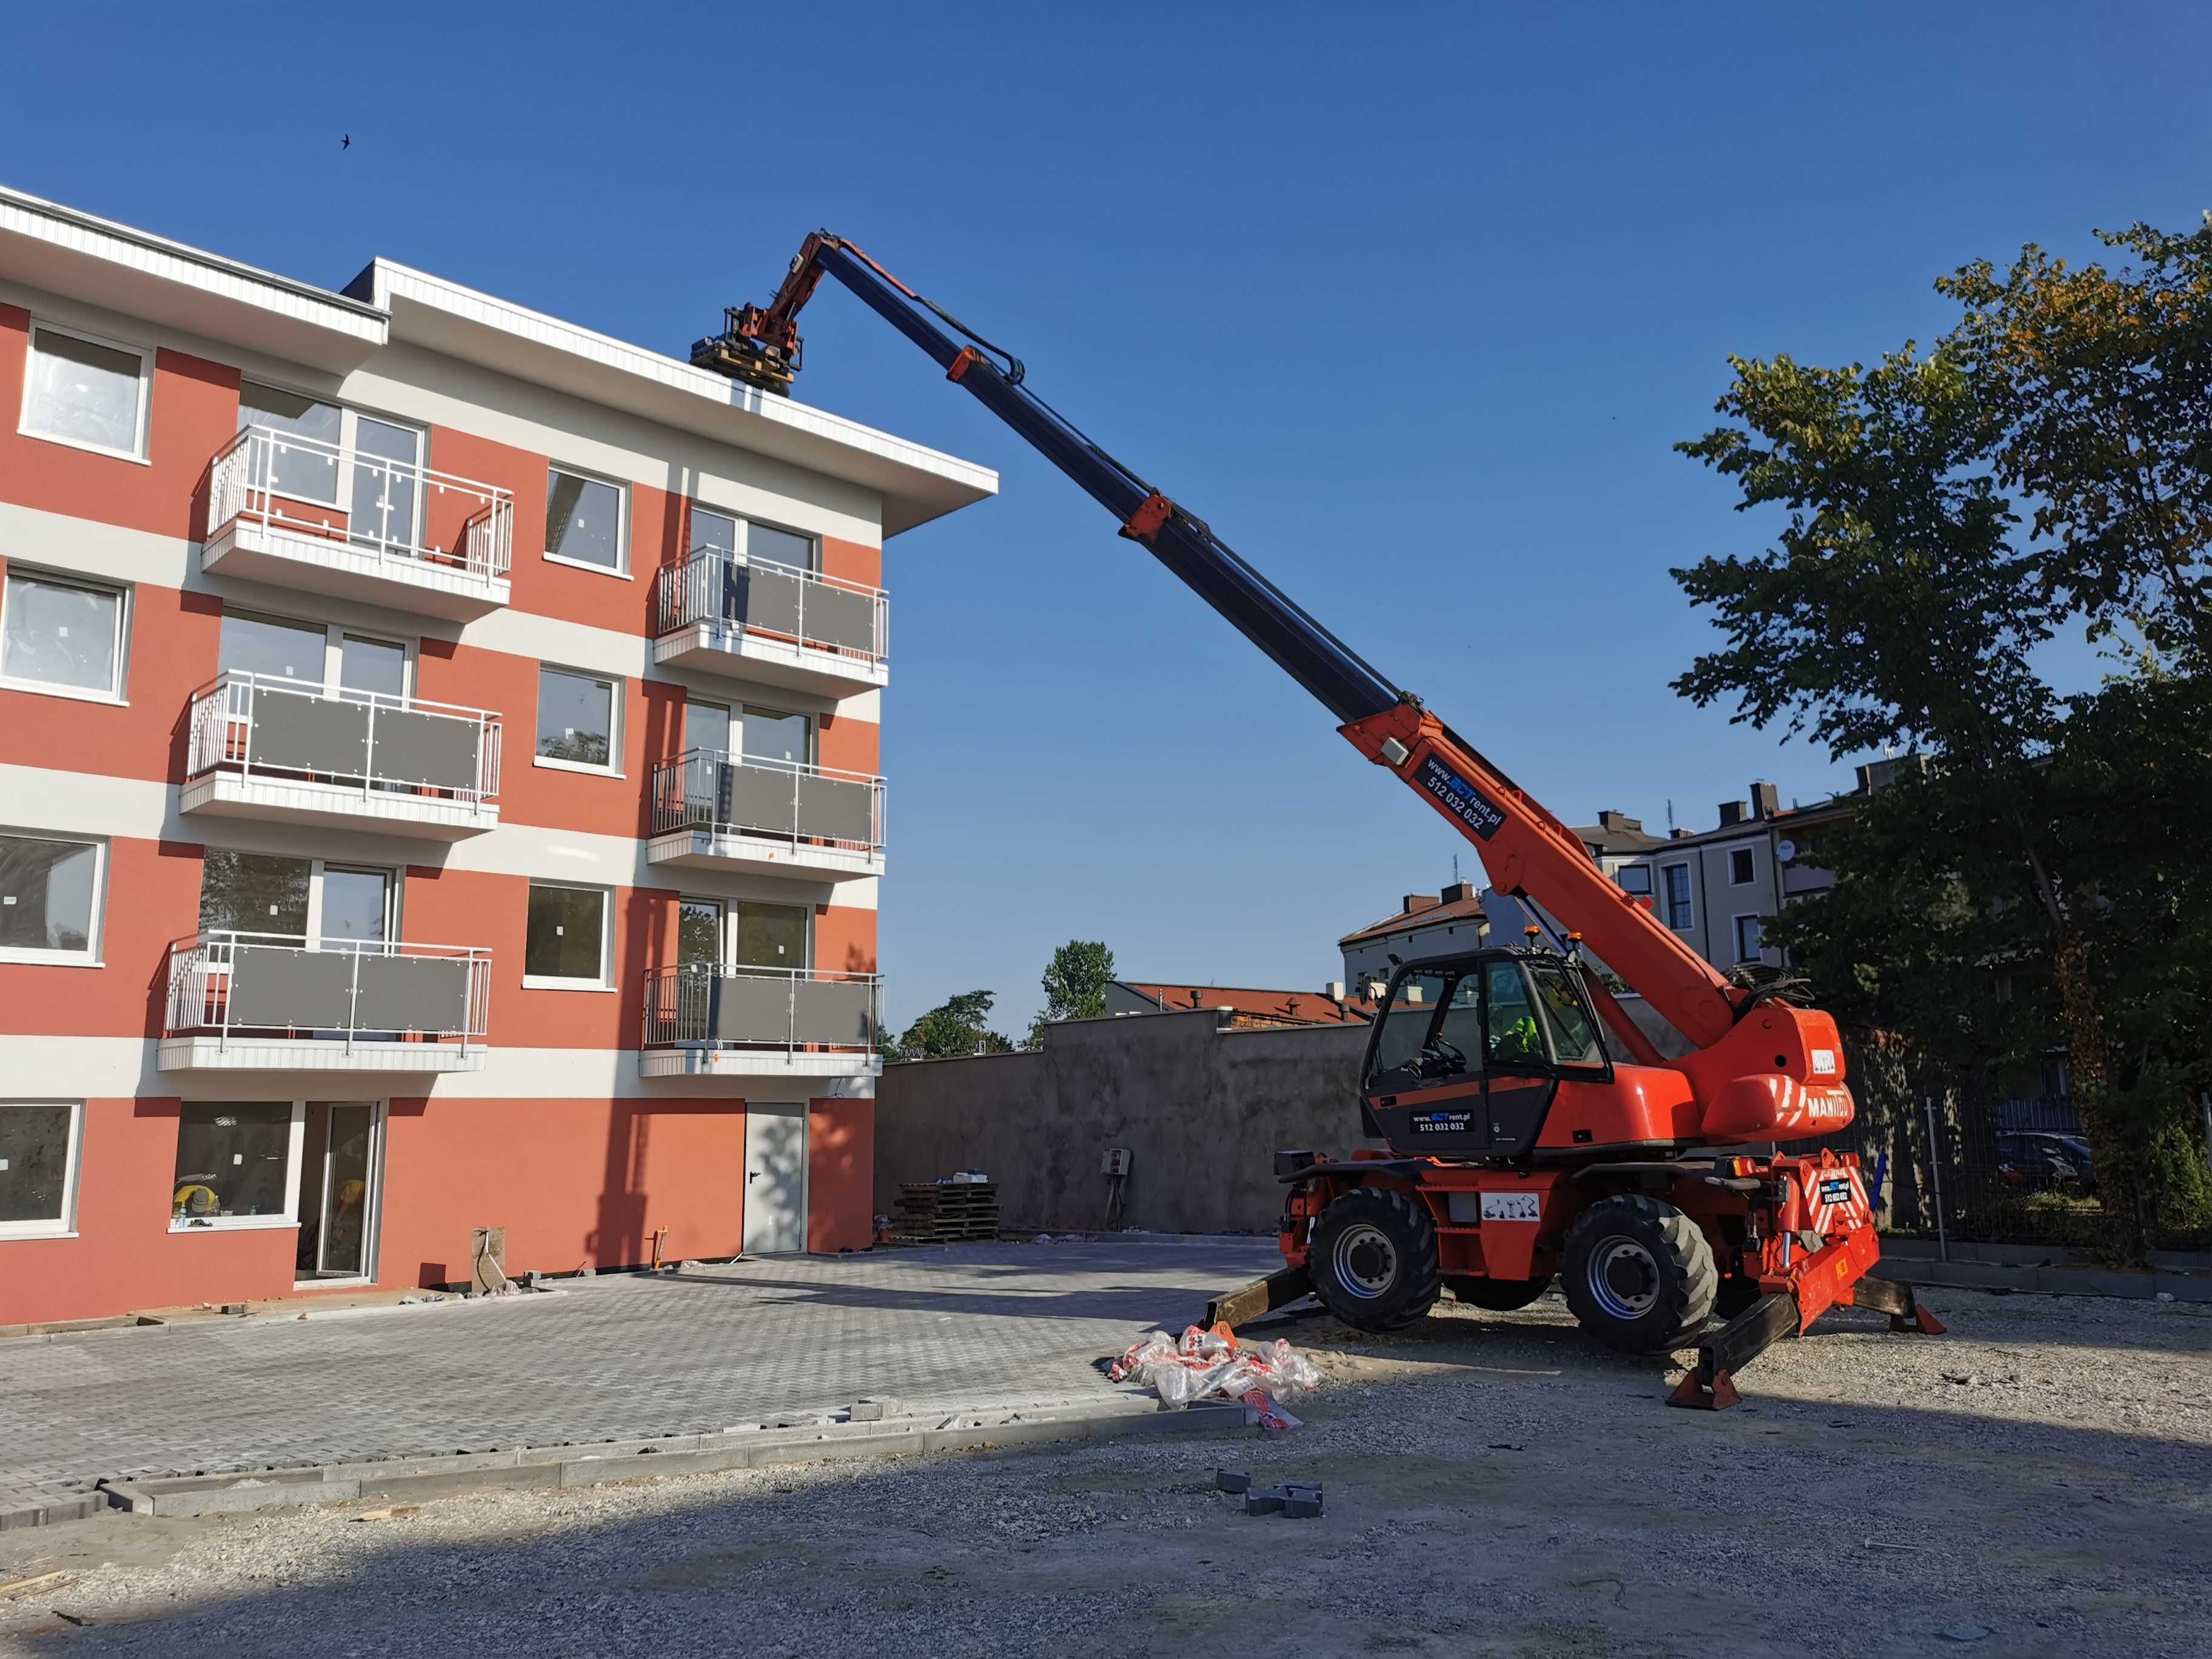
(1639, 1275)
(1373, 1259)
(1499, 1295)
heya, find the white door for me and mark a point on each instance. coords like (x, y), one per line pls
(775, 1179)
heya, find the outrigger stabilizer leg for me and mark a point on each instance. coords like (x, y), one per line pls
(1709, 1385)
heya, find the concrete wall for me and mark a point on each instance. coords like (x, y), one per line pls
(1202, 1108)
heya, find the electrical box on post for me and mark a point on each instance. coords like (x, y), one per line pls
(1116, 1163)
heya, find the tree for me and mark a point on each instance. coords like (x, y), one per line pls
(1074, 985)
(1902, 603)
(954, 1028)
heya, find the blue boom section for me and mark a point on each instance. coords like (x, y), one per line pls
(1346, 686)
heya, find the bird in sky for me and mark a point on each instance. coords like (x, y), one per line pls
(346, 143)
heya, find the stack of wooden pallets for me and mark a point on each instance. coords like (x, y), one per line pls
(951, 1212)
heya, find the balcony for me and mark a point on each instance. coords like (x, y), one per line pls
(713, 811)
(749, 1022)
(272, 1002)
(772, 623)
(275, 748)
(389, 533)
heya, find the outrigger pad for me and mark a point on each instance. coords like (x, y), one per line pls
(1921, 1322)
(1700, 1392)
(1896, 1299)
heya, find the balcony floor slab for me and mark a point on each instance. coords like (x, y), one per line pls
(323, 564)
(709, 849)
(699, 1061)
(737, 653)
(334, 806)
(209, 1053)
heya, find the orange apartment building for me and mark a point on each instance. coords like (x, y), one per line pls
(439, 785)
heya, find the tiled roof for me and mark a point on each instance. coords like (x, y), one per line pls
(1291, 1007)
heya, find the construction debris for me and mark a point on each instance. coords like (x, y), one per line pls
(1212, 1365)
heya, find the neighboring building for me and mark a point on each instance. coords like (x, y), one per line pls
(1247, 1008)
(438, 785)
(1423, 926)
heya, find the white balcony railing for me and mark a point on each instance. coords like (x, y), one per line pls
(230, 984)
(780, 601)
(394, 511)
(727, 794)
(260, 726)
(767, 1009)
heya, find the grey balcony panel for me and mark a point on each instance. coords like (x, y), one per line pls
(434, 749)
(835, 615)
(836, 810)
(413, 994)
(750, 1010)
(833, 1011)
(766, 599)
(311, 734)
(752, 799)
(280, 987)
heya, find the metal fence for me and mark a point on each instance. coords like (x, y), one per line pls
(729, 795)
(777, 600)
(257, 725)
(766, 1008)
(228, 984)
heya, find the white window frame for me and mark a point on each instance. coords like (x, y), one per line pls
(741, 540)
(621, 487)
(1751, 859)
(619, 691)
(1735, 931)
(1690, 897)
(89, 956)
(555, 982)
(335, 635)
(141, 454)
(113, 696)
(1645, 891)
(72, 1167)
(296, 1149)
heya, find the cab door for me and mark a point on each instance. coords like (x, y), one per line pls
(1421, 1087)
(1518, 1078)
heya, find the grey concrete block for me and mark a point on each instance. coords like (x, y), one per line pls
(1232, 1480)
(264, 1495)
(1263, 1502)
(445, 1482)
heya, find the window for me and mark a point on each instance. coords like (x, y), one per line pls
(773, 546)
(60, 635)
(1574, 1038)
(565, 946)
(306, 471)
(717, 532)
(1405, 1031)
(1740, 870)
(1747, 946)
(714, 532)
(265, 644)
(779, 738)
(770, 936)
(1634, 877)
(236, 1164)
(87, 391)
(1679, 914)
(584, 521)
(49, 898)
(254, 893)
(39, 1142)
(576, 719)
(1515, 1039)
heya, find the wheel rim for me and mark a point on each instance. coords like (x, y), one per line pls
(1624, 1277)
(1365, 1260)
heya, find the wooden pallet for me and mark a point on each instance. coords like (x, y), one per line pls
(960, 1213)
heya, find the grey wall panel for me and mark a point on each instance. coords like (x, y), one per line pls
(834, 1012)
(272, 986)
(752, 1009)
(310, 734)
(433, 748)
(413, 994)
(752, 798)
(832, 808)
(835, 617)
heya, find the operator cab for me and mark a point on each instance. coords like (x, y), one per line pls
(1467, 1052)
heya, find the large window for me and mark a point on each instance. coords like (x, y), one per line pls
(306, 471)
(1634, 877)
(39, 1142)
(88, 391)
(236, 1164)
(50, 891)
(770, 936)
(1748, 946)
(57, 634)
(726, 534)
(584, 521)
(566, 945)
(578, 718)
(254, 893)
(760, 735)
(774, 546)
(1680, 914)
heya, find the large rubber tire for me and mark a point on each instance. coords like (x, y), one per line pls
(1499, 1295)
(1373, 1258)
(1639, 1275)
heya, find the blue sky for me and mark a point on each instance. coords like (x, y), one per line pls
(1408, 302)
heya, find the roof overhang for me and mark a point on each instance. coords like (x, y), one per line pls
(916, 484)
(46, 245)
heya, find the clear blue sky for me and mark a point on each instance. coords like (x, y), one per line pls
(1409, 302)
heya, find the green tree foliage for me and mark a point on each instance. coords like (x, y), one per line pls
(2047, 464)
(1074, 984)
(956, 1026)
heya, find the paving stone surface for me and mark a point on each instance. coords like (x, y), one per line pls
(623, 1355)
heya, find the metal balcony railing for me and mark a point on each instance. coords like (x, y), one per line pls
(728, 794)
(396, 511)
(766, 1008)
(260, 726)
(777, 600)
(266, 986)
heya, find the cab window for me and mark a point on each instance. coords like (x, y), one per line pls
(1462, 1026)
(1574, 1036)
(1405, 1030)
(1515, 1039)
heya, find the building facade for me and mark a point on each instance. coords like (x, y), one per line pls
(439, 786)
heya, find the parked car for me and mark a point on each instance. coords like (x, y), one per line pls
(2042, 1160)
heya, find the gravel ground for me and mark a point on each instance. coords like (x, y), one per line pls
(2044, 1475)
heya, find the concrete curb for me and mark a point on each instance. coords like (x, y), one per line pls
(419, 1478)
